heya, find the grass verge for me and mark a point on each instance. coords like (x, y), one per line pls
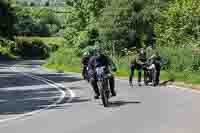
(66, 60)
(49, 40)
(179, 77)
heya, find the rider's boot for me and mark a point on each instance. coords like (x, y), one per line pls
(96, 96)
(112, 86)
(95, 88)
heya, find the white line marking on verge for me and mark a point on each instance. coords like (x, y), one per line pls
(59, 87)
(183, 88)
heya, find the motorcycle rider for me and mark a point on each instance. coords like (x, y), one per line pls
(156, 59)
(137, 63)
(97, 60)
(84, 62)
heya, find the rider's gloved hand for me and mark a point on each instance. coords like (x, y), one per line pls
(114, 69)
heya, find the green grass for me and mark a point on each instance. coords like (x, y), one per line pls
(192, 78)
(49, 40)
(63, 68)
(66, 60)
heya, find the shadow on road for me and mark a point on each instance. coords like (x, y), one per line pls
(122, 103)
(165, 83)
(74, 100)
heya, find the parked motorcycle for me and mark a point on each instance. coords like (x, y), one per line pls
(150, 74)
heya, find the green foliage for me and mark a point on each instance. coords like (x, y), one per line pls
(178, 25)
(47, 3)
(26, 26)
(37, 22)
(66, 57)
(122, 26)
(7, 48)
(53, 43)
(129, 23)
(7, 17)
(32, 3)
(32, 48)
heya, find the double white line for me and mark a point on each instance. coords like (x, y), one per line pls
(59, 87)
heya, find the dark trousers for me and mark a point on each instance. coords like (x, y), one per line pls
(158, 67)
(85, 73)
(132, 70)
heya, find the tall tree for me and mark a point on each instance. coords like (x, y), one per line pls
(179, 24)
(7, 17)
(129, 23)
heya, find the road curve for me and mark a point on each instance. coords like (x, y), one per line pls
(134, 110)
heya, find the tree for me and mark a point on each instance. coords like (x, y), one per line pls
(47, 3)
(7, 17)
(87, 10)
(178, 25)
(26, 26)
(129, 24)
(32, 3)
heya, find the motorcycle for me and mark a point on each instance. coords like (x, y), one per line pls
(103, 75)
(150, 74)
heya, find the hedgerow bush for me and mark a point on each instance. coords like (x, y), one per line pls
(32, 48)
(7, 48)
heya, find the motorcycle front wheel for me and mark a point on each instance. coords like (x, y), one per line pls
(103, 92)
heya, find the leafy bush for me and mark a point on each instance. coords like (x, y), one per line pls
(179, 59)
(7, 48)
(178, 25)
(66, 57)
(27, 26)
(32, 48)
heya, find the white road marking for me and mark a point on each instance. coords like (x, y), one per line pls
(168, 86)
(184, 88)
(59, 87)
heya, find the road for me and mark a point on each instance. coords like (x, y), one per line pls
(33, 104)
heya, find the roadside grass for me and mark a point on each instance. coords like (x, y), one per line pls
(123, 71)
(174, 72)
(62, 68)
(49, 40)
(6, 54)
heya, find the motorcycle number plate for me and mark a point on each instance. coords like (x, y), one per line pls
(152, 66)
(100, 70)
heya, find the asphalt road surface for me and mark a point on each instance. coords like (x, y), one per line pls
(34, 100)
